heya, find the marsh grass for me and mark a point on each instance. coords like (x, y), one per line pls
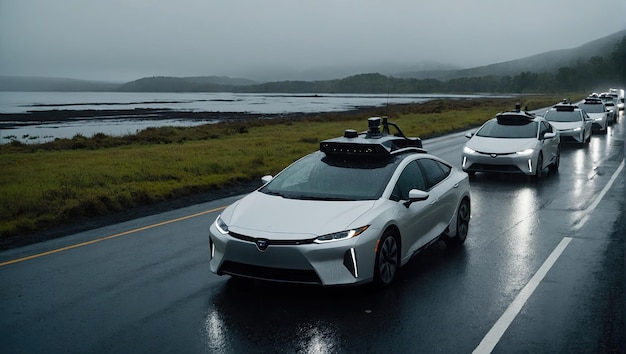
(43, 185)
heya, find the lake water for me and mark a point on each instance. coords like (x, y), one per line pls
(21, 102)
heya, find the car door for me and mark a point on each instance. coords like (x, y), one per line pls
(443, 205)
(414, 219)
(587, 122)
(550, 146)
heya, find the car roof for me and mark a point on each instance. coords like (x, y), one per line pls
(564, 107)
(593, 100)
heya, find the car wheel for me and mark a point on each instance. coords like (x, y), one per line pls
(557, 161)
(462, 225)
(387, 259)
(539, 168)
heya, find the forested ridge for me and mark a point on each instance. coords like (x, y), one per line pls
(598, 72)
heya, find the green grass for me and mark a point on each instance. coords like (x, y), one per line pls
(50, 184)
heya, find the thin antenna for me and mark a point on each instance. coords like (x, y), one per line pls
(387, 104)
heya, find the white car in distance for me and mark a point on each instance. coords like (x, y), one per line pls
(573, 123)
(514, 142)
(597, 111)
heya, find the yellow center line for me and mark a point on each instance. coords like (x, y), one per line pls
(18, 260)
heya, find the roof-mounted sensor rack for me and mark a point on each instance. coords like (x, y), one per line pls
(377, 141)
(593, 100)
(515, 117)
(564, 107)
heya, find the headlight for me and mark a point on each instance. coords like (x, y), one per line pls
(221, 225)
(526, 152)
(577, 129)
(342, 235)
(468, 150)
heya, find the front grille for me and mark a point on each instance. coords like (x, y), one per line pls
(496, 155)
(268, 273)
(479, 167)
(272, 242)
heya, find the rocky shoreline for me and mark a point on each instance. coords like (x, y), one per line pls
(10, 120)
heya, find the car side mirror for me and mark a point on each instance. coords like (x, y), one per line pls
(266, 179)
(469, 134)
(549, 135)
(416, 195)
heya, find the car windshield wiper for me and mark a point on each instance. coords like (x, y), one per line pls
(300, 196)
(311, 197)
(269, 192)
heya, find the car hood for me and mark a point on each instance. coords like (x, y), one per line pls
(567, 125)
(595, 116)
(500, 146)
(278, 218)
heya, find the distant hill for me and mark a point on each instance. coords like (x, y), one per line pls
(544, 62)
(271, 73)
(19, 83)
(185, 84)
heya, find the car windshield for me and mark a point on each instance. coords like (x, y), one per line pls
(495, 129)
(563, 116)
(319, 177)
(592, 108)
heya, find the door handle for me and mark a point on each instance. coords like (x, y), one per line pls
(456, 185)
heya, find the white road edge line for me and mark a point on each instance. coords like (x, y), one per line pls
(492, 337)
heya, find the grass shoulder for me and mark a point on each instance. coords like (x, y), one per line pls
(56, 183)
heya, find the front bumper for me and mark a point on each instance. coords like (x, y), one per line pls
(577, 135)
(501, 163)
(600, 124)
(342, 262)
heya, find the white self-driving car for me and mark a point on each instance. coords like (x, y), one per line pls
(513, 142)
(600, 115)
(353, 212)
(572, 123)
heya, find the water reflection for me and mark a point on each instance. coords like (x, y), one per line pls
(215, 332)
(600, 146)
(522, 245)
(41, 133)
(516, 201)
(317, 339)
(254, 316)
(247, 330)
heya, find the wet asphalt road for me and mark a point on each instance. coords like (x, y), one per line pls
(145, 285)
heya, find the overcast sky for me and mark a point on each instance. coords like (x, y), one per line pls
(123, 40)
